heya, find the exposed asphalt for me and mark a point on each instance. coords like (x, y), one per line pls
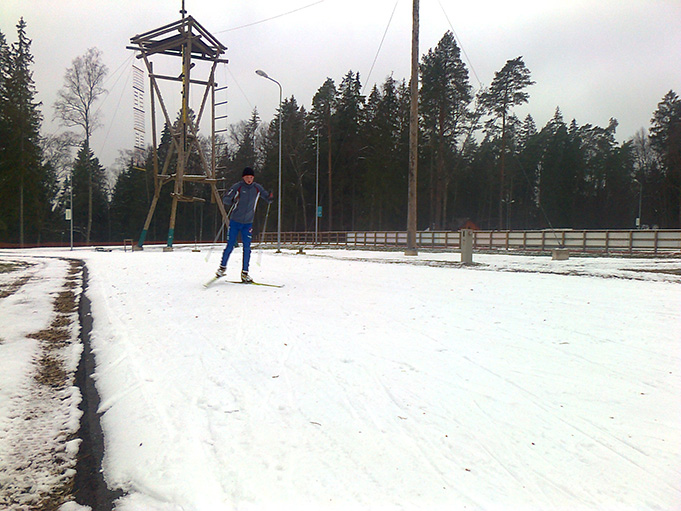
(90, 489)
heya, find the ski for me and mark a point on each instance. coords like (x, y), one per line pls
(211, 281)
(214, 279)
(256, 283)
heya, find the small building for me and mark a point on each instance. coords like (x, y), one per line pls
(464, 223)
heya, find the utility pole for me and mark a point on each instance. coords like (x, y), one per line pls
(316, 202)
(413, 133)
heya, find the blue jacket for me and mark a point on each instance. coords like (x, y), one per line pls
(245, 197)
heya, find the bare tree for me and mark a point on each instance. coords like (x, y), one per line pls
(83, 85)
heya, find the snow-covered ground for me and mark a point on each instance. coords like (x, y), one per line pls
(373, 380)
(39, 354)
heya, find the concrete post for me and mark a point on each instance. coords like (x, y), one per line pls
(466, 246)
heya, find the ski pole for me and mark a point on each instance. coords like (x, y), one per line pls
(222, 227)
(262, 235)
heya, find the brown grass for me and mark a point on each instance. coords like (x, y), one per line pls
(51, 372)
(13, 287)
(65, 302)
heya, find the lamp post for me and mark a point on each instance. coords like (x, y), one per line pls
(316, 202)
(71, 210)
(262, 73)
(639, 224)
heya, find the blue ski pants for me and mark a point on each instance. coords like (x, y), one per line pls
(246, 231)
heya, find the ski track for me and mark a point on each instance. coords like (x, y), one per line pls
(381, 386)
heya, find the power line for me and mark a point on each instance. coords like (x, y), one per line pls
(470, 64)
(118, 105)
(236, 82)
(117, 77)
(271, 18)
(380, 46)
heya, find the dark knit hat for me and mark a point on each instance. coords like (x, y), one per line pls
(248, 171)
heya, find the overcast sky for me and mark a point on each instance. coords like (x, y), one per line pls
(595, 59)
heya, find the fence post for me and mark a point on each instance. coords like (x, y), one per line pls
(584, 241)
(631, 242)
(607, 242)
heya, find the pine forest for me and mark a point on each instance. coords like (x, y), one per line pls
(477, 161)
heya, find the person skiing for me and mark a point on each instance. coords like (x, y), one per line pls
(241, 200)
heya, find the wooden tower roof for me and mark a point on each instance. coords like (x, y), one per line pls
(171, 38)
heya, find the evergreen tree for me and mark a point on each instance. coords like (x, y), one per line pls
(161, 218)
(323, 110)
(556, 180)
(4, 125)
(89, 187)
(383, 200)
(592, 207)
(348, 119)
(23, 179)
(129, 203)
(297, 163)
(665, 137)
(506, 91)
(477, 179)
(518, 185)
(297, 159)
(445, 96)
(5, 66)
(529, 158)
(646, 180)
(245, 147)
(242, 148)
(620, 199)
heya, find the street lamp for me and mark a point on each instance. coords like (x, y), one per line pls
(262, 73)
(316, 202)
(71, 210)
(639, 224)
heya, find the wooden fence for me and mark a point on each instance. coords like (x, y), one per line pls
(663, 242)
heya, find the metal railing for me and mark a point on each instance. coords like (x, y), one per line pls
(658, 241)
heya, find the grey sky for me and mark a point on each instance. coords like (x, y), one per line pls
(595, 59)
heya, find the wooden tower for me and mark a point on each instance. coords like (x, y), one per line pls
(188, 40)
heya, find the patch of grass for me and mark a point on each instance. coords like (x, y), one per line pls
(13, 287)
(54, 338)
(56, 497)
(70, 284)
(12, 266)
(51, 372)
(61, 321)
(75, 268)
(65, 302)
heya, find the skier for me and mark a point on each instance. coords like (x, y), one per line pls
(241, 200)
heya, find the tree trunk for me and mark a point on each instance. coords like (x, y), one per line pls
(89, 181)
